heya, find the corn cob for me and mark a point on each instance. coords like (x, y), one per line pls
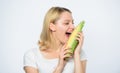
(72, 42)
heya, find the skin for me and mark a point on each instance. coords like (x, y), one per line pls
(62, 25)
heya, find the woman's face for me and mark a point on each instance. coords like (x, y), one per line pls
(64, 27)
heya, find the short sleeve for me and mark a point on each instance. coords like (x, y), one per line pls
(29, 59)
(83, 55)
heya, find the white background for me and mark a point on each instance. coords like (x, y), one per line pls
(21, 23)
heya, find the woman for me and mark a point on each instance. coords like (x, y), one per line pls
(51, 54)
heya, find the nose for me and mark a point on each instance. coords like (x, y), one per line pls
(72, 26)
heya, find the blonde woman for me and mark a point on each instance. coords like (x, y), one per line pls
(50, 56)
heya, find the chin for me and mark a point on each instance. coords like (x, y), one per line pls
(65, 41)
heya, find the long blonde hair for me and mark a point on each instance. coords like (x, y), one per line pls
(51, 16)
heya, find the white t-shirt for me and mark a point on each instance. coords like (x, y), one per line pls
(34, 58)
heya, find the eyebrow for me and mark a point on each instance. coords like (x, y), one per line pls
(69, 20)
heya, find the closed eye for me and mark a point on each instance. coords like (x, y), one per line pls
(66, 23)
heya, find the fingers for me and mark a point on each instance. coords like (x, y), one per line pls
(66, 53)
(80, 36)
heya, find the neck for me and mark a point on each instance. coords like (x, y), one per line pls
(56, 44)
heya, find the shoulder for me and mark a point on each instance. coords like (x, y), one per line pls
(30, 52)
(30, 58)
(83, 55)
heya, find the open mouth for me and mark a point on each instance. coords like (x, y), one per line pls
(68, 34)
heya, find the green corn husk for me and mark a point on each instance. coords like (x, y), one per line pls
(72, 42)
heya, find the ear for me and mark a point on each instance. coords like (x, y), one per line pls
(52, 27)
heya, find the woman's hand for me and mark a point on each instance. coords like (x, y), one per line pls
(80, 39)
(79, 65)
(64, 53)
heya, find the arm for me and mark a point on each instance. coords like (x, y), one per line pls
(30, 70)
(58, 69)
(62, 62)
(80, 66)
